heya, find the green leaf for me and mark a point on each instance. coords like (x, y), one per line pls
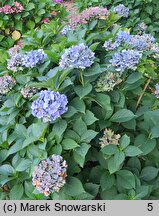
(88, 136)
(130, 124)
(82, 91)
(115, 162)
(149, 9)
(95, 174)
(79, 126)
(16, 147)
(92, 188)
(134, 162)
(80, 153)
(71, 111)
(134, 77)
(57, 149)
(29, 7)
(78, 104)
(94, 46)
(24, 164)
(124, 141)
(94, 70)
(132, 151)
(103, 100)
(107, 181)
(155, 132)
(30, 24)
(21, 130)
(68, 144)
(145, 144)
(73, 186)
(109, 149)
(59, 128)
(89, 118)
(7, 170)
(149, 173)
(126, 179)
(123, 115)
(142, 191)
(16, 192)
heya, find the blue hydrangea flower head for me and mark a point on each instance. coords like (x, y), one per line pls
(110, 45)
(30, 59)
(50, 175)
(34, 57)
(121, 10)
(79, 56)
(123, 37)
(49, 106)
(142, 42)
(126, 59)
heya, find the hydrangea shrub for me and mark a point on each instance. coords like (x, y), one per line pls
(79, 112)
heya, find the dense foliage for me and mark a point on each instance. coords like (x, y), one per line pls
(79, 105)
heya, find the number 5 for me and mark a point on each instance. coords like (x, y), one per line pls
(150, 206)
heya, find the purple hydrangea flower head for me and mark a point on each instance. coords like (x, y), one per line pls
(28, 92)
(157, 90)
(110, 45)
(15, 62)
(142, 42)
(79, 56)
(34, 57)
(49, 106)
(126, 59)
(123, 37)
(142, 27)
(6, 84)
(29, 59)
(65, 30)
(121, 10)
(50, 175)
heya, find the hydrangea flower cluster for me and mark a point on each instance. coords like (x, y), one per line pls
(109, 138)
(107, 81)
(121, 37)
(49, 106)
(6, 84)
(7, 9)
(14, 50)
(142, 42)
(157, 90)
(79, 56)
(139, 42)
(15, 63)
(50, 175)
(65, 30)
(110, 45)
(28, 92)
(34, 57)
(121, 10)
(87, 15)
(29, 59)
(142, 27)
(125, 59)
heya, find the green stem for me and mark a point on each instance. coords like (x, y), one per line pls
(81, 78)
